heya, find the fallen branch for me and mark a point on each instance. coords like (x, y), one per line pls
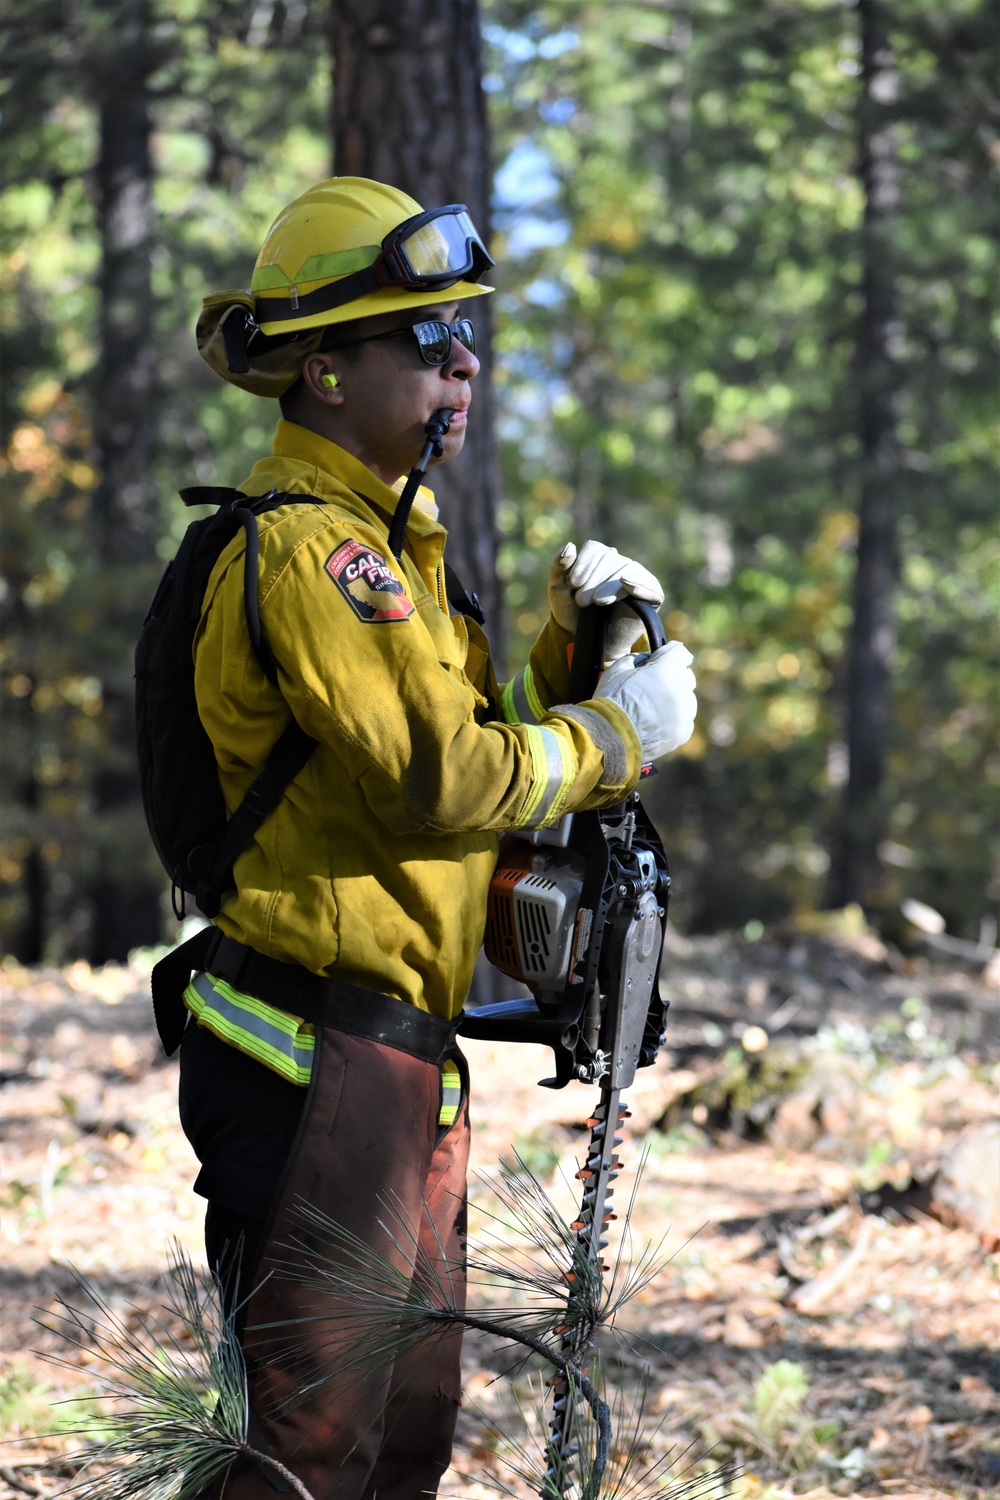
(979, 954)
(809, 1297)
(789, 1244)
(10, 1476)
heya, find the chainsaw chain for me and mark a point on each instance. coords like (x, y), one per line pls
(597, 1175)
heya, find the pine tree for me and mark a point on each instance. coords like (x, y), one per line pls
(409, 109)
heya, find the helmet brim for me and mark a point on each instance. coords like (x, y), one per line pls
(372, 305)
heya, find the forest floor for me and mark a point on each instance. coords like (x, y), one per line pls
(822, 1165)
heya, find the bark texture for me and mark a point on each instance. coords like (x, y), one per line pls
(408, 109)
(124, 405)
(125, 908)
(856, 868)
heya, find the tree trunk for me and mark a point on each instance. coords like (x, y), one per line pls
(29, 943)
(125, 406)
(408, 109)
(126, 910)
(856, 869)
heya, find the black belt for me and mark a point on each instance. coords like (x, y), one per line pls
(289, 987)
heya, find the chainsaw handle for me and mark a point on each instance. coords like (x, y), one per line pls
(651, 622)
(588, 647)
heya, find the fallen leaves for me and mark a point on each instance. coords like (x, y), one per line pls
(778, 1254)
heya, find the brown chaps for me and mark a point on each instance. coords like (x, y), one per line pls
(370, 1155)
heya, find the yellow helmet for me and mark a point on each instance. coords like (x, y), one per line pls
(351, 248)
(348, 248)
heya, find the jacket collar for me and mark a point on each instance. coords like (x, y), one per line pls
(304, 463)
(329, 462)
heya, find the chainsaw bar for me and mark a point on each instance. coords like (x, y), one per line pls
(577, 912)
(597, 1174)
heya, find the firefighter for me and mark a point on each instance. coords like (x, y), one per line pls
(319, 1065)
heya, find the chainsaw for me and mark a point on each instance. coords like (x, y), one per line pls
(577, 912)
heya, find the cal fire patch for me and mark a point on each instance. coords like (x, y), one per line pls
(370, 587)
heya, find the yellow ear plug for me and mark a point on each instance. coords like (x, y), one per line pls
(330, 381)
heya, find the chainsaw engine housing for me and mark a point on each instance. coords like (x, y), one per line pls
(577, 914)
(531, 910)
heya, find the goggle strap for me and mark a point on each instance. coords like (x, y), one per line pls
(323, 299)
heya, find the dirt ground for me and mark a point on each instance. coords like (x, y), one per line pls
(821, 1162)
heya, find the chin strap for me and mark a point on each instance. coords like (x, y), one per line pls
(435, 430)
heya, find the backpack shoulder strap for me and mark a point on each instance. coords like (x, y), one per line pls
(460, 599)
(246, 509)
(248, 514)
(293, 747)
(211, 494)
(289, 754)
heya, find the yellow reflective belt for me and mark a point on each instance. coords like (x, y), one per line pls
(451, 1093)
(281, 1042)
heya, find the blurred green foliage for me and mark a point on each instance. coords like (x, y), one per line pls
(239, 100)
(676, 227)
(678, 374)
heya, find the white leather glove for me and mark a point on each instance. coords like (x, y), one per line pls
(600, 575)
(658, 695)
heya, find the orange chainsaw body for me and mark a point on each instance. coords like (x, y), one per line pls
(531, 911)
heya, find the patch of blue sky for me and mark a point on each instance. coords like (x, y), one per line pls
(520, 46)
(525, 192)
(561, 353)
(528, 431)
(525, 416)
(558, 43)
(526, 368)
(557, 111)
(544, 292)
(531, 232)
(550, 367)
(525, 179)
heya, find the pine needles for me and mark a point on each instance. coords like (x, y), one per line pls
(369, 1309)
(176, 1412)
(176, 1387)
(631, 1472)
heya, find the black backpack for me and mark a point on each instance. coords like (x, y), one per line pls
(181, 796)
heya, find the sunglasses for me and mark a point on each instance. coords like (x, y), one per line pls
(434, 339)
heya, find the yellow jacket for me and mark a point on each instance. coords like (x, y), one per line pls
(375, 865)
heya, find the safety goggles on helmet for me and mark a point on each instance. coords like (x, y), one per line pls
(434, 339)
(433, 249)
(429, 252)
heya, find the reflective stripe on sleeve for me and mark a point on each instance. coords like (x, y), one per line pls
(451, 1093)
(279, 1041)
(520, 701)
(552, 772)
